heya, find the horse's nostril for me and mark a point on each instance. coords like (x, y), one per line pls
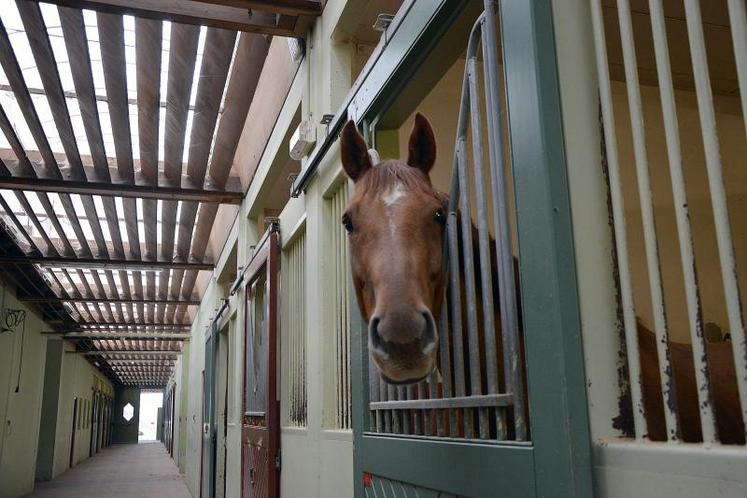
(373, 332)
(430, 338)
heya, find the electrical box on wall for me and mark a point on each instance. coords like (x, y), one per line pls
(303, 140)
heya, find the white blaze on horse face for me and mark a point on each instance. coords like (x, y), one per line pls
(391, 198)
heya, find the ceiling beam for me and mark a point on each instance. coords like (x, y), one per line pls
(104, 264)
(139, 189)
(114, 337)
(88, 326)
(54, 299)
(126, 351)
(205, 13)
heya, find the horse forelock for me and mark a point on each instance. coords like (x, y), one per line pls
(391, 175)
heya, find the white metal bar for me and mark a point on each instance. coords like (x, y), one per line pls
(674, 154)
(618, 211)
(738, 20)
(718, 196)
(669, 395)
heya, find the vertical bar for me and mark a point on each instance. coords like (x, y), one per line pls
(645, 196)
(718, 196)
(507, 286)
(469, 277)
(738, 21)
(618, 211)
(483, 239)
(373, 390)
(445, 354)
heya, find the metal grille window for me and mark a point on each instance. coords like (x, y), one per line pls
(477, 391)
(294, 328)
(675, 146)
(340, 410)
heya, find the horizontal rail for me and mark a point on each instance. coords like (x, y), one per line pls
(486, 400)
(104, 264)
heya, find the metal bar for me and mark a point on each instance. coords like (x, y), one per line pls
(718, 197)
(137, 190)
(469, 278)
(484, 400)
(671, 127)
(668, 389)
(486, 277)
(445, 373)
(618, 211)
(507, 285)
(738, 20)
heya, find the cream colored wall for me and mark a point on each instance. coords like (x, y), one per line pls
(77, 379)
(20, 399)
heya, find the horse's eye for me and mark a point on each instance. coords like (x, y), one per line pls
(440, 217)
(347, 223)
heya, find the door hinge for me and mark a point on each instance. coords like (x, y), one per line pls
(277, 461)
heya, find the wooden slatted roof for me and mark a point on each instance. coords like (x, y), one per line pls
(117, 137)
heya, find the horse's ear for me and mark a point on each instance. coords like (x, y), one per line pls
(422, 147)
(354, 152)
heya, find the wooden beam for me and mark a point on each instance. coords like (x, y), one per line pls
(125, 351)
(114, 337)
(137, 190)
(118, 326)
(89, 299)
(142, 361)
(104, 264)
(286, 7)
(193, 12)
(148, 44)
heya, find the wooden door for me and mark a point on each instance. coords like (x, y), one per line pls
(260, 432)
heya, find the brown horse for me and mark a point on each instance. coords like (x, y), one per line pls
(395, 223)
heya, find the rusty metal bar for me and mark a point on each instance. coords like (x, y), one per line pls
(668, 389)
(684, 232)
(718, 196)
(618, 211)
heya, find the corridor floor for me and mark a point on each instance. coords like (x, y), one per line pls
(123, 470)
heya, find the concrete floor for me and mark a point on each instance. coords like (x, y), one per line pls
(123, 470)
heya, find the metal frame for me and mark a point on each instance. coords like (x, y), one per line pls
(558, 461)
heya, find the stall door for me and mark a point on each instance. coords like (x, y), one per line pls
(504, 414)
(260, 437)
(208, 420)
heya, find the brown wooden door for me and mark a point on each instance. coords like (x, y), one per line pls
(260, 433)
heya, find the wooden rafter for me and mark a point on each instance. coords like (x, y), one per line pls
(282, 18)
(104, 264)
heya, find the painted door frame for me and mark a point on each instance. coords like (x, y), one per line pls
(265, 259)
(557, 463)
